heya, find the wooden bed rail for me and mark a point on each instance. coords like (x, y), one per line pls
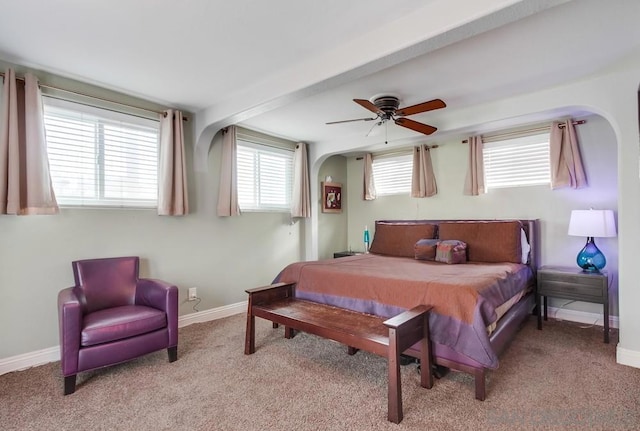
(384, 337)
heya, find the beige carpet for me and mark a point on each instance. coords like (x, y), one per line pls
(563, 377)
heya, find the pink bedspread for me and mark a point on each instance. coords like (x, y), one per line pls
(464, 297)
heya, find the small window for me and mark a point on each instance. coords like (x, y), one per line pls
(265, 177)
(392, 174)
(99, 157)
(522, 161)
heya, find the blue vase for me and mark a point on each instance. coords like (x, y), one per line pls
(590, 258)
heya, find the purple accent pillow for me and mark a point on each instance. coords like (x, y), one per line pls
(425, 249)
(451, 251)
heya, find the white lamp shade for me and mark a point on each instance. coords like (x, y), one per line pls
(594, 223)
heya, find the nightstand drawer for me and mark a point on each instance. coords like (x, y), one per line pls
(584, 280)
(571, 290)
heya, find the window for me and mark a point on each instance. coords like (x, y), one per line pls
(522, 161)
(392, 174)
(99, 157)
(265, 177)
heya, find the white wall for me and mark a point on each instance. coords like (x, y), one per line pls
(551, 207)
(333, 226)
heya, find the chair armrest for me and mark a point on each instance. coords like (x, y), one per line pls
(163, 296)
(70, 326)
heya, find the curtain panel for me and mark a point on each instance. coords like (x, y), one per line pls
(228, 188)
(369, 187)
(25, 179)
(423, 180)
(301, 200)
(172, 176)
(566, 163)
(474, 181)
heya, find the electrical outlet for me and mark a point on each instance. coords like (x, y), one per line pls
(193, 293)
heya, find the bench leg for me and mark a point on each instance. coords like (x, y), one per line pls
(394, 390)
(250, 334)
(351, 350)
(289, 332)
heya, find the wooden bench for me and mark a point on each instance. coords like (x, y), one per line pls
(384, 337)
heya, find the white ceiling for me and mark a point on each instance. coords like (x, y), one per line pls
(288, 66)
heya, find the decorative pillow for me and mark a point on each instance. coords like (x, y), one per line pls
(425, 249)
(398, 238)
(451, 251)
(487, 241)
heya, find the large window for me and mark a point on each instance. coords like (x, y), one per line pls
(517, 162)
(392, 174)
(265, 177)
(99, 157)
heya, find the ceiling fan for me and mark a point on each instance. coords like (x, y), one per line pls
(386, 108)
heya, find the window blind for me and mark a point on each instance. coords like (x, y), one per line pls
(517, 162)
(265, 177)
(392, 174)
(101, 158)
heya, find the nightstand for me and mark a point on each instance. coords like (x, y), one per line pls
(345, 253)
(570, 283)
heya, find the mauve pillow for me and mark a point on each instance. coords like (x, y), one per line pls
(425, 249)
(451, 251)
(487, 241)
(399, 238)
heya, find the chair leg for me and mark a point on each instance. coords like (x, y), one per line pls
(173, 353)
(69, 384)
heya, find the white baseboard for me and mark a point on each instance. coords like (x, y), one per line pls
(582, 317)
(52, 354)
(212, 314)
(628, 357)
(28, 360)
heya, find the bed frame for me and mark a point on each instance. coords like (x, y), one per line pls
(262, 299)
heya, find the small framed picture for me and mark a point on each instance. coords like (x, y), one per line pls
(331, 197)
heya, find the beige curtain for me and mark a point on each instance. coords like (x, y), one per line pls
(369, 192)
(301, 201)
(228, 189)
(423, 181)
(566, 163)
(172, 175)
(25, 181)
(474, 182)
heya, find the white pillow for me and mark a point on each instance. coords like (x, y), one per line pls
(524, 245)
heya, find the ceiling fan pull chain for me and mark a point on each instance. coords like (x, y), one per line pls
(385, 132)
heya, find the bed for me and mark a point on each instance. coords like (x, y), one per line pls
(478, 275)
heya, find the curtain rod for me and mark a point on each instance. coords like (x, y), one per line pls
(401, 151)
(505, 135)
(77, 93)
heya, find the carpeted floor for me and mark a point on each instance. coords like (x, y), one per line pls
(563, 377)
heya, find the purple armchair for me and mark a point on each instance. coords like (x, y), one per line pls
(111, 316)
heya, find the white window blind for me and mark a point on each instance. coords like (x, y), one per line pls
(522, 161)
(265, 177)
(392, 174)
(101, 158)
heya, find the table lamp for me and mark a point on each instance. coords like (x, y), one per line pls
(591, 223)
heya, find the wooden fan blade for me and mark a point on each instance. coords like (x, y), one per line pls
(414, 125)
(348, 121)
(421, 107)
(368, 105)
